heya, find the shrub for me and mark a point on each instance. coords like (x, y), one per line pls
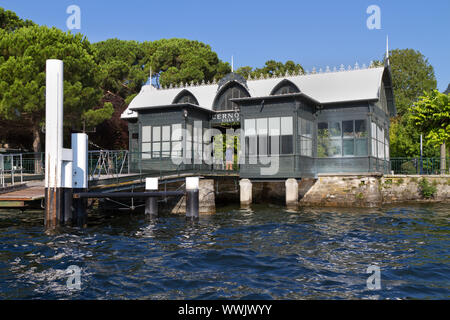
(408, 168)
(426, 189)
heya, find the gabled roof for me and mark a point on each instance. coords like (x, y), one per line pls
(330, 87)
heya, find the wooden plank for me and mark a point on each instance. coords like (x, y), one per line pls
(28, 194)
(11, 204)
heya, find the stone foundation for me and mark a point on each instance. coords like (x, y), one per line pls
(207, 203)
(371, 190)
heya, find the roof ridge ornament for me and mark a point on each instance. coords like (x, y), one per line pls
(356, 66)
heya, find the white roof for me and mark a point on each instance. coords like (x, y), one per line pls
(351, 85)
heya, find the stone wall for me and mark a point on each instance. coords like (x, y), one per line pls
(207, 203)
(372, 190)
(401, 188)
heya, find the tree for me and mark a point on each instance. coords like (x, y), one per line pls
(412, 74)
(431, 116)
(23, 55)
(122, 66)
(9, 21)
(177, 61)
(271, 68)
(405, 139)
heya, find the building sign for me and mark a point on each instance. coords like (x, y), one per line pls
(226, 117)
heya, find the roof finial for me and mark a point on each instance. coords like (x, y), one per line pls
(232, 64)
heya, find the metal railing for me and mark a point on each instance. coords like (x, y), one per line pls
(109, 163)
(11, 168)
(424, 166)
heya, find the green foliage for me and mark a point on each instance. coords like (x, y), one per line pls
(431, 116)
(23, 55)
(122, 66)
(9, 21)
(125, 65)
(360, 196)
(412, 74)
(408, 168)
(182, 61)
(426, 190)
(271, 68)
(92, 117)
(405, 139)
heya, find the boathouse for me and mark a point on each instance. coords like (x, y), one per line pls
(335, 121)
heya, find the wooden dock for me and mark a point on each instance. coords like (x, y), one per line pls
(32, 194)
(22, 197)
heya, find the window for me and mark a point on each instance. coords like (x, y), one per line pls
(380, 142)
(274, 136)
(287, 138)
(235, 90)
(189, 139)
(285, 87)
(177, 135)
(305, 134)
(361, 138)
(186, 97)
(346, 138)
(262, 133)
(251, 145)
(161, 141)
(146, 142)
(198, 140)
(156, 145)
(374, 139)
(264, 136)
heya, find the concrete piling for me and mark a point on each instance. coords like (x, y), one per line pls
(291, 192)
(246, 192)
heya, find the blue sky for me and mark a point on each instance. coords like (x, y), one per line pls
(313, 33)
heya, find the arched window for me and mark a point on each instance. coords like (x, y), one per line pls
(285, 87)
(185, 97)
(230, 91)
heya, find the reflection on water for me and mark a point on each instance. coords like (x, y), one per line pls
(267, 252)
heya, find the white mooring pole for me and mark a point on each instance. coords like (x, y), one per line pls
(65, 169)
(80, 176)
(192, 198)
(151, 203)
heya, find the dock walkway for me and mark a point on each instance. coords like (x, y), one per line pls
(32, 193)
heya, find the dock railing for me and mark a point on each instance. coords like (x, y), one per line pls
(11, 169)
(413, 166)
(107, 163)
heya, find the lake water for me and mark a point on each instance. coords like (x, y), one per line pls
(267, 252)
